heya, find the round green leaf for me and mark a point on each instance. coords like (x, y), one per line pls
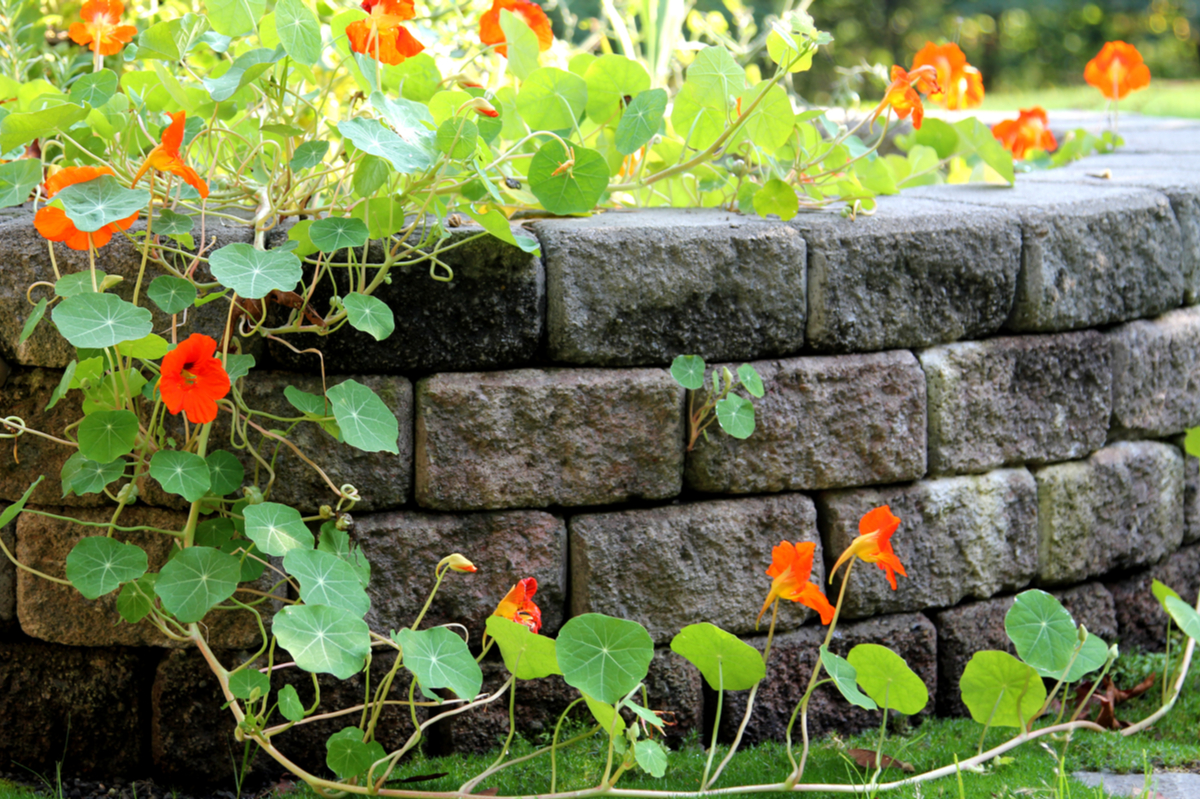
(184, 474)
(195, 580)
(698, 115)
(79, 283)
(845, 678)
(751, 380)
(1091, 657)
(299, 31)
(789, 51)
(640, 121)
(577, 188)
(715, 72)
(370, 315)
(171, 294)
(83, 476)
(651, 757)
(736, 416)
(105, 436)
(776, 197)
(1185, 617)
(610, 79)
(688, 371)
(939, 135)
(770, 125)
(552, 100)
(253, 273)
(150, 347)
(1041, 630)
(323, 639)
(527, 655)
(289, 704)
(458, 137)
(95, 88)
(887, 680)
(277, 528)
(101, 201)
(724, 660)
(602, 656)
(96, 565)
(225, 472)
(441, 660)
(348, 755)
(136, 599)
(337, 233)
(170, 223)
(372, 136)
(326, 580)
(100, 320)
(365, 421)
(338, 543)
(999, 690)
(309, 154)
(243, 683)
(17, 179)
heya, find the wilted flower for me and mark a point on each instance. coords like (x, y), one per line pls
(519, 607)
(457, 562)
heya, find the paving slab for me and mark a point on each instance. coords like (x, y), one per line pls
(1167, 785)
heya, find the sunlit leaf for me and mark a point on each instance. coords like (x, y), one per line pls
(107, 435)
(724, 660)
(441, 660)
(365, 421)
(602, 656)
(1000, 691)
(326, 580)
(277, 528)
(254, 273)
(887, 680)
(97, 565)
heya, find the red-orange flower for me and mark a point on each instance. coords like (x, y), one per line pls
(1026, 132)
(55, 225)
(961, 84)
(902, 94)
(490, 31)
(518, 605)
(383, 37)
(192, 380)
(791, 566)
(874, 544)
(165, 157)
(1117, 70)
(101, 30)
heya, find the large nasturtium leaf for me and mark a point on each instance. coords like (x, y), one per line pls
(735, 414)
(225, 472)
(94, 89)
(23, 127)
(17, 179)
(84, 476)
(610, 79)
(235, 17)
(771, 123)
(441, 660)
(171, 40)
(348, 755)
(641, 120)
(184, 474)
(845, 678)
(323, 639)
(150, 347)
(299, 31)
(105, 436)
(603, 656)
(577, 187)
(370, 315)
(1041, 630)
(326, 580)
(724, 660)
(277, 528)
(101, 201)
(171, 294)
(527, 655)
(337, 233)
(372, 136)
(95, 321)
(999, 690)
(1184, 615)
(715, 71)
(522, 44)
(552, 99)
(253, 273)
(688, 371)
(365, 421)
(195, 580)
(96, 565)
(887, 680)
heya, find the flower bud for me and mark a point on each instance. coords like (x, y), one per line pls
(344, 521)
(326, 512)
(479, 106)
(253, 495)
(457, 562)
(128, 494)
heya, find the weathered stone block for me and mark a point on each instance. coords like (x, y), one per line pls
(405, 546)
(1191, 494)
(911, 636)
(916, 273)
(699, 562)
(969, 536)
(825, 422)
(1017, 399)
(1121, 508)
(77, 706)
(534, 438)
(639, 288)
(1090, 255)
(56, 613)
(1143, 623)
(1156, 375)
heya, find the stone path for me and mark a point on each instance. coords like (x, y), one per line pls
(1166, 785)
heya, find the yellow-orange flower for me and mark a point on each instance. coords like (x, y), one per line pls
(961, 84)
(518, 605)
(873, 544)
(791, 566)
(1117, 70)
(55, 225)
(490, 31)
(1027, 132)
(383, 36)
(165, 157)
(101, 30)
(902, 95)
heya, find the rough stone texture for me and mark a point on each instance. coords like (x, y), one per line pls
(641, 287)
(1143, 623)
(1090, 255)
(56, 613)
(1156, 375)
(911, 636)
(825, 422)
(76, 705)
(534, 438)
(916, 273)
(1191, 494)
(699, 562)
(489, 316)
(1169, 136)
(404, 547)
(969, 536)
(8, 577)
(1121, 508)
(971, 627)
(1017, 399)
(26, 260)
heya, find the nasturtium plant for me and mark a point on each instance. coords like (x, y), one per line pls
(603, 657)
(527, 655)
(1001, 691)
(323, 638)
(195, 580)
(440, 659)
(97, 565)
(887, 680)
(277, 528)
(725, 661)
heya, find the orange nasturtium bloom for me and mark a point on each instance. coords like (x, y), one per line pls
(961, 84)
(902, 92)
(791, 566)
(101, 29)
(166, 157)
(1026, 132)
(1117, 70)
(873, 543)
(490, 31)
(383, 37)
(193, 380)
(55, 225)
(518, 605)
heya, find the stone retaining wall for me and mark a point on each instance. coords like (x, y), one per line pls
(1010, 369)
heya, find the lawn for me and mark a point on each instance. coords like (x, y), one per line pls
(1160, 99)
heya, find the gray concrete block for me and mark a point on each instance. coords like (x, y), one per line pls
(1156, 375)
(699, 562)
(1017, 399)
(641, 287)
(825, 422)
(1121, 508)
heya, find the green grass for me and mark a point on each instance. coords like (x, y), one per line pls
(1159, 99)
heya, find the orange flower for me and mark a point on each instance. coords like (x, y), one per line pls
(100, 28)
(902, 96)
(458, 562)
(192, 380)
(791, 566)
(1026, 132)
(55, 225)
(165, 157)
(874, 544)
(490, 31)
(518, 605)
(961, 84)
(383, 37)
(1117, 70)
